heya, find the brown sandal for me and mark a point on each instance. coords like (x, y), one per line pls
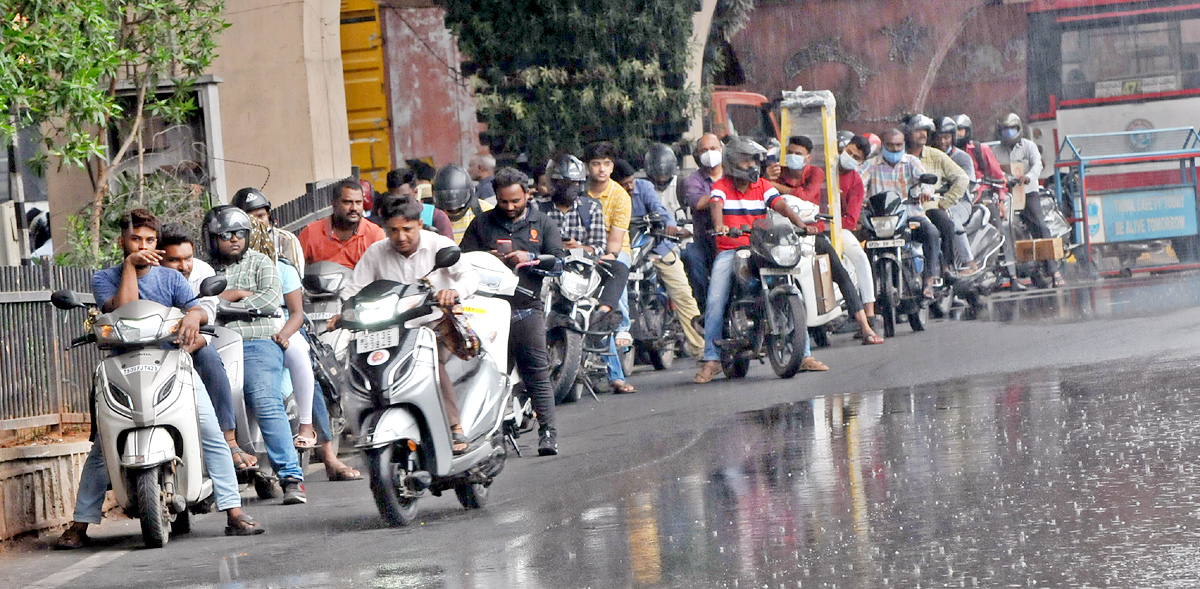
(620, 387)
(244, 525)
(343, 473)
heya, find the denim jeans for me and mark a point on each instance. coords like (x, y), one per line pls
(94, 481)
(212, 372)
(264, 377)
(720, 283)
(615, 370)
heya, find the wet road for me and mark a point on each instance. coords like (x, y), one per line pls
(1059, 449)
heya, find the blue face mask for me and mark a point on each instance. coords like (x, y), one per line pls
(892, 157)
(1008, 133)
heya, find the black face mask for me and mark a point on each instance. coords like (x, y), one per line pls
(961, 142)
(568, 193)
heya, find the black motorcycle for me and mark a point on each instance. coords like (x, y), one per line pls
(766, 312)
(897, 261)
(657, 335)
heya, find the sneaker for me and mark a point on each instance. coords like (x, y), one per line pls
(548, 443)
(293, 491)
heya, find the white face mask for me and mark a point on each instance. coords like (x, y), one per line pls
(710, 158)
(847, 161)
(794, 161)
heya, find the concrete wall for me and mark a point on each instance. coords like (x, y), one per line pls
(37, 486)
(283, 105)
(876, 55)
(432, 110)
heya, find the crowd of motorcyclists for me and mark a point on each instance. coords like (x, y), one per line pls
(694, 231)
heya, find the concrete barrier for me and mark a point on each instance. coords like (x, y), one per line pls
(37, 486)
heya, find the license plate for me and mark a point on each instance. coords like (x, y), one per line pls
(636, 275)
(778, 271)
(320, 316)
(881, 243)
(369, 341)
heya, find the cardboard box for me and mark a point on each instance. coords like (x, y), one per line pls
(1016, 170)
(823, 278)
(1039, 250)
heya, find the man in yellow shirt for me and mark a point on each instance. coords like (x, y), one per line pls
(454, 195)
(618, 211)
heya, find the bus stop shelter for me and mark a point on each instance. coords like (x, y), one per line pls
(1131, 192)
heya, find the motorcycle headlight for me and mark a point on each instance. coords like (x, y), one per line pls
(573, 286)
(785, 255)
(885, 226)
(132, 331)
(377, 311)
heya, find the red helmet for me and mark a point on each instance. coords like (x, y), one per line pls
(368, 194)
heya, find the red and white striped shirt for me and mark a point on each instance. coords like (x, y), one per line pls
(742, 208)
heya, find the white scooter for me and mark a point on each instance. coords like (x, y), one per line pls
(810, 213)
(394, 408)
(146, 416)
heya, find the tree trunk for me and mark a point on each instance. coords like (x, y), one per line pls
(107, 167)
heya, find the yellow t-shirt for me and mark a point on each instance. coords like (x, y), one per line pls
(460, 226)
(618, 211)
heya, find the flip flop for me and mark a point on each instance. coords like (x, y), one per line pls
(622, 388)
(243, 464)
(304, 442)
(625, 337)
(244, 525)
(345, 473)
(459, 443)
(872, 340)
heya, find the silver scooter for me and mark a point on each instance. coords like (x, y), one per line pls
(394, 407)
(145, 413)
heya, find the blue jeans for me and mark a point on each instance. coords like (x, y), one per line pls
(615, 370)
(720, 283)
(264, 377)
(320, 413)
(94, 481)
(212, 372)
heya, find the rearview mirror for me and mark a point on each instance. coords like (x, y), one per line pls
(65, 299)
(446, 257)
(929, 179)
(213, 286)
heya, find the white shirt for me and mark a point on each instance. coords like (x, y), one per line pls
(381, 261)
(200, 271)
(1026, 152)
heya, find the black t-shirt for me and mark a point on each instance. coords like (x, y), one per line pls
(534, 233)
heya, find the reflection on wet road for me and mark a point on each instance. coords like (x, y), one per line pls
(1110, 298)
(1076, 478)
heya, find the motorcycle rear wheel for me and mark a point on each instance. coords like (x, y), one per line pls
(384, 475)
(152, 507)
(472, 495)
(786, 350)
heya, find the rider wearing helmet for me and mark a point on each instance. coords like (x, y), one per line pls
(743, 183)
(287, 245)
(454, 194)
(253, 281)
(661, 167)
(1016, 148)
(988, 168)
(952, 211)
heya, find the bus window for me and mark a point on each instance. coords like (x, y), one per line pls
(1120, 60)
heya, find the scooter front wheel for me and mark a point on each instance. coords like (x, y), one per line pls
(152, 507)
(387, 487)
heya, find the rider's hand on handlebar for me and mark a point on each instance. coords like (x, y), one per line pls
(331, 323)
(189, 330)
(672, 230)
(518, 257)
(447, 297)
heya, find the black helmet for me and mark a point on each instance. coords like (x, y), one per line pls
(222, 219)
(568, 167)
(250, 199)
(661, 165)
(738, 151)
(452, 190)
(919, 122)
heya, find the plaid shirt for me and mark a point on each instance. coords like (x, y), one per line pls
(258, 274)
(570, 224)
(879, 176)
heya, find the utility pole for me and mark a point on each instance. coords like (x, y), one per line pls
(16, 185)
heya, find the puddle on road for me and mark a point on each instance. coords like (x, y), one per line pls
(1110, 298)
(1069, 478)
(1081, 477)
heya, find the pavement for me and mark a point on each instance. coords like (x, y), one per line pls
(1052, 445)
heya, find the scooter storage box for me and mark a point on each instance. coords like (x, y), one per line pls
(823, 279)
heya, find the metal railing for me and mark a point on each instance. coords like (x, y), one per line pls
(294, 214)
(41, 384)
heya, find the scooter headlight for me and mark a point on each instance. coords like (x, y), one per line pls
(785, 255)
(377, 311)
(885, 226)
(574, 286)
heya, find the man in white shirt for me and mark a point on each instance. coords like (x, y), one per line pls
(405, 256)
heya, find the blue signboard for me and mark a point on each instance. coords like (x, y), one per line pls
(1145, 214)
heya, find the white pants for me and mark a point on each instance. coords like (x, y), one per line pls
(853, 252)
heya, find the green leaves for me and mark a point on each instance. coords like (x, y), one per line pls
(552, 75)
